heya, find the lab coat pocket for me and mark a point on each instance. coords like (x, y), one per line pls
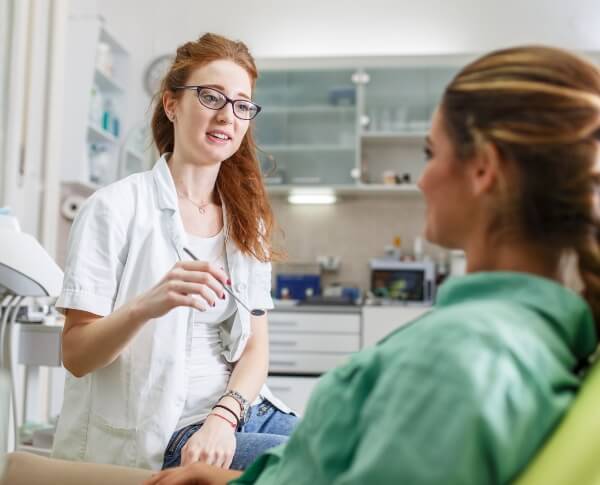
(110, 444)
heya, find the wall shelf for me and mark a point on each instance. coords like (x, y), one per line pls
(99, 135)
(358, 189)
(106, 83)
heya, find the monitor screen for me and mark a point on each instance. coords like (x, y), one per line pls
(403, 285)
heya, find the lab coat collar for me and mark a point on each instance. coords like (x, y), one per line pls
(165, 186)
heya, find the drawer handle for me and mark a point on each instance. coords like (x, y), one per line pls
(283, 363)
(284, 324)
(279, 343)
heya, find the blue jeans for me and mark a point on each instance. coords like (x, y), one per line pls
(266, 428)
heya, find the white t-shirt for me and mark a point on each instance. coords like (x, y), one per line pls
(207, 370)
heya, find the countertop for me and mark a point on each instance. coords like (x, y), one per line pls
(293, 307)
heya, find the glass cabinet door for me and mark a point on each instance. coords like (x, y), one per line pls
(397, 112)
(307, 130)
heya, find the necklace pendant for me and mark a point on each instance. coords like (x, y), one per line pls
(202, 210)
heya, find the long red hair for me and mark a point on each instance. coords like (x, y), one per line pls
(240, 184)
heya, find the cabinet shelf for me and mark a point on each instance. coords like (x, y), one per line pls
(99, 135)
(106, 83)
(307, 147)
(110, 39)
(358, 189)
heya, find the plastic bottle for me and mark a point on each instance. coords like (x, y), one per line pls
(107, 115)
(418, 248)
(115, 124)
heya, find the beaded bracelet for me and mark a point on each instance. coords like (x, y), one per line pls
(241, 400)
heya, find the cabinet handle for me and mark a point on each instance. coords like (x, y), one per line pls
(276, 343)
(283, 363)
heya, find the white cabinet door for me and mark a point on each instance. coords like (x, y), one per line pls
(380, 321)
(294, 391)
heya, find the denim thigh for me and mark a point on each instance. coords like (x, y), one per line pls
(266, 428)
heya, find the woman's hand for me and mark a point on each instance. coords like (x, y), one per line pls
(195, 284)
(213, 444)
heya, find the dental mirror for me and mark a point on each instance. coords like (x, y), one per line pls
(256, 311)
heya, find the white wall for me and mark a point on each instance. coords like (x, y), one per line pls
(292, 28)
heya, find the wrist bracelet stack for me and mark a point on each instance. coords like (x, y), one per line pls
(231, 423)
(242, 401)
(237, 419)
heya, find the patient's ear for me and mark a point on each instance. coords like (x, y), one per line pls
(485, 170)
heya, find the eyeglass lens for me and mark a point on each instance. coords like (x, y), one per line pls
(215, 100)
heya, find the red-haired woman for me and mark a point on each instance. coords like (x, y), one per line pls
(165, 368)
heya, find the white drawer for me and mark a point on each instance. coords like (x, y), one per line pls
(304, 362)
(381, 321)
(313, 342)
(314, 322)
(293, 391)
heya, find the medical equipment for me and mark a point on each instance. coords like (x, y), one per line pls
(26, 271)
(256, 311)
(4, 413)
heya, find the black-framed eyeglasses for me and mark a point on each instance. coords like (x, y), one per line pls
(212, 98)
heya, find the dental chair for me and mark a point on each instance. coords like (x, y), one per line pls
(571, 456)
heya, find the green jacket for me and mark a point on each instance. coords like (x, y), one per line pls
(464, 395)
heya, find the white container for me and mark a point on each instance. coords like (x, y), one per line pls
(458, 263)
(104, 60)
(96, 106)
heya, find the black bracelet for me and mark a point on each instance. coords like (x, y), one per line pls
(237, 419)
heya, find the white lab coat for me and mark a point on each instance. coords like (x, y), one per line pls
(124, 240)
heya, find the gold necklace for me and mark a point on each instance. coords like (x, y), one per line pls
(201, 207)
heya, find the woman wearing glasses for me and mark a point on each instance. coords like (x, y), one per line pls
(166, 368)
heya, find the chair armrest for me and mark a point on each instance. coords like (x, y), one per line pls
(26, 469)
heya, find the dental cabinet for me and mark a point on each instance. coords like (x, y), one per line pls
(305, 342)
(379, 321)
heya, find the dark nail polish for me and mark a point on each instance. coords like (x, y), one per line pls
(223, 296)
(229, 282)
(214, 303)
